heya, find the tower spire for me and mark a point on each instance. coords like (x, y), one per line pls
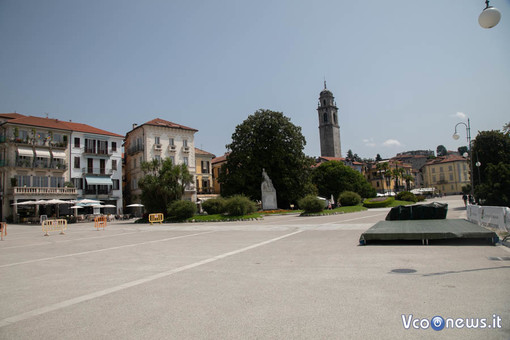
(325, 83)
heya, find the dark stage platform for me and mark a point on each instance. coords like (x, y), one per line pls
(426, 230)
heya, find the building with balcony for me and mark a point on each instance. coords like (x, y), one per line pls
(38, 161)
(381, 176)
(33, 161)
(96, 163)
(158, 139)
(447, 174)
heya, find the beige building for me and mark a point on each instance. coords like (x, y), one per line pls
(158, 139)
(447, 174)
(204, 182)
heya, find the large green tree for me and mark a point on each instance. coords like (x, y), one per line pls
(492, 178)
(162, 183)
(333, 178)
(267, 140)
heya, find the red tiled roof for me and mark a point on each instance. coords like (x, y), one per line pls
(11, 115)
(90, 129)
(61, 125)
(220, 159)
(446, 159)
(202, 152)
(165, 123)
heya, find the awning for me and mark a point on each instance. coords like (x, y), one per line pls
(98, 180)
(58, 154)
(42, 153)
(26, 152)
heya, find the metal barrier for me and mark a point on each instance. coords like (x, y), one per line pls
(3, 230)
(52, 225)
(156, 218)
(100, 222)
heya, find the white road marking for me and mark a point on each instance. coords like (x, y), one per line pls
(75, 239)
(87, 297)
(354, 219)
(100, 250)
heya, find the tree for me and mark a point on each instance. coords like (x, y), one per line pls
(462, 150)
(162, 183)
(441, 150)
(383, 169)
(267, 140)
(333, 178)
(378, 158)
(397, 174)
(489, 147)
(408, 179)
(506, 129)
(492, 185)
(350, 155)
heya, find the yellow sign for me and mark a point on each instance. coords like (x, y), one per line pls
(54, 225)
(156, 218)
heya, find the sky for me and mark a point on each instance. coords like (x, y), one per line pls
(403, 73)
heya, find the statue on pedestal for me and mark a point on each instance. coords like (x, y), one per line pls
(268, 193)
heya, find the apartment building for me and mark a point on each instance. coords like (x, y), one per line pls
(96, 164)
(447, 174)
(158, 139)
(38, 162)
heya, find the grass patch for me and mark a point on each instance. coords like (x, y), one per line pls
(339, 210)
(279, 211)
(221, 217)
(397, 203)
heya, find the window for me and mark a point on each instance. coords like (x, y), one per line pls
(156, 140)
(56, 182)
(450, 168)
(205, 167)
(185, 143)
(434, 179)
(171, 141)
(76, 162)
(76, 142)
(325, 117)
(172, 158)
(335, 118)
(433, 170)
(23, 180)
(90, 146)
(116, 184)
(114, 164)
(114, 146)
(158, 158)
(78, 183)
(102, 147)
(185, 160)
(451, 177)
(134, 163)
(440, 169)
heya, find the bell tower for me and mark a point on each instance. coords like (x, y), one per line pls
(329, 129)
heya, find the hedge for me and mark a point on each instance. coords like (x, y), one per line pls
(379, 202)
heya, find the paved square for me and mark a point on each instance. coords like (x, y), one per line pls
(285, 277)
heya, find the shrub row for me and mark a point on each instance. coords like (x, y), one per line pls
(380, 202)
(237, 205)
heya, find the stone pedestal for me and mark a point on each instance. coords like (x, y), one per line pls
(268, 193)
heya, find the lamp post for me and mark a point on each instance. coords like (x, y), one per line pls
(489, 17)
(456, 136)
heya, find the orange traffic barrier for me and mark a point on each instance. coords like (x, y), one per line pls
(156, 218)
(100, 222)
(52, 225)
(3, 230)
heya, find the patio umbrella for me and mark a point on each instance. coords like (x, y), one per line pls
(108, 206)
(76, 207)
(134, 205)
(87, 201)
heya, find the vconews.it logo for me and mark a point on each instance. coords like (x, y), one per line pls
(438, 323)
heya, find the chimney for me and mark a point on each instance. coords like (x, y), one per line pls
(134, 125)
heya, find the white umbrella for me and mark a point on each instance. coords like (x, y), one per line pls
(88, 201)
(57, 201)
(76, 207)
(134, 205)
(25, 203)
(108, 206)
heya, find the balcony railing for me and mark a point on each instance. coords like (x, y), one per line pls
(44, 191)
(97, 171)
(134, 149)
(96, 152)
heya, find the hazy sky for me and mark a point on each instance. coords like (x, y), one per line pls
(400, 70)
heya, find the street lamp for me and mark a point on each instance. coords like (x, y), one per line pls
(489, 17)
(456, 136)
